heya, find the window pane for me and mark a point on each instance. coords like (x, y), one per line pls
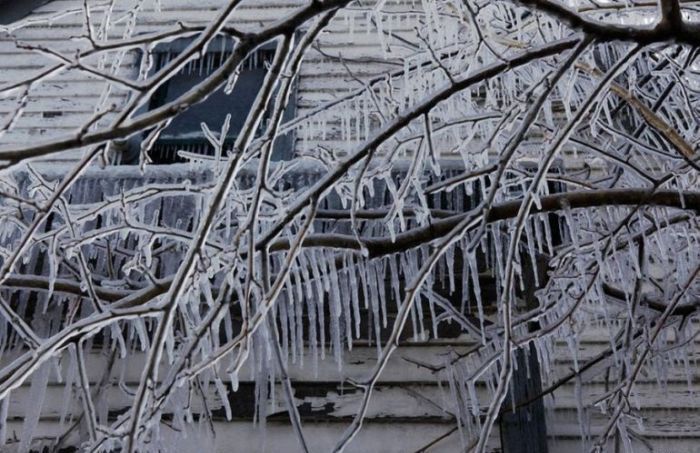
(185, 132)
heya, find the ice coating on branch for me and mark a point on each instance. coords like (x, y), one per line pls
(603, 272)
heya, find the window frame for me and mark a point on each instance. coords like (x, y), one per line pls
(284, 147)
(16, 10)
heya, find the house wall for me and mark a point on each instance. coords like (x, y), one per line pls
(410, 409)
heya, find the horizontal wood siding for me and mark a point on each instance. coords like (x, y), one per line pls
(409, 408)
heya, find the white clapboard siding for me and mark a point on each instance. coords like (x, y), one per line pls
(241, 437)
(411, 400)
(350, 36)
(406, 411)
(406, 393)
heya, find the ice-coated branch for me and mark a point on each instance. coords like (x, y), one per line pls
(511, 177)
(380, 246)
(669, 27)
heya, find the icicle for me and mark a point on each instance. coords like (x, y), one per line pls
(313, 336)
(298, 317)
(346, 302)
(499, 251)
(473, 270)
(572, 227)
(315, 271)
(450, 259)
(471, 389)
(53, 266)
(335, 307)
(408, 271)
(37, 391)
(282, 308)
(369, 281)
(355, 296)
(431, 307)
(223, 396)
(233, 377)
(303, 265)
(381, 286)
(4, 405)
(140, 328)
(465, 305)
(395, 281)
(539, 240)
(530, 241)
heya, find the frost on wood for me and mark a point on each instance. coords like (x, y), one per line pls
(492, 180)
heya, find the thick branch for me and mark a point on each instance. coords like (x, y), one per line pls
(670, 27)
(551, 203)
(402, 120)
(61, 285)
(680, 310)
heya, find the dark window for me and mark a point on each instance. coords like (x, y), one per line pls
(14, 10)
(184, 134)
